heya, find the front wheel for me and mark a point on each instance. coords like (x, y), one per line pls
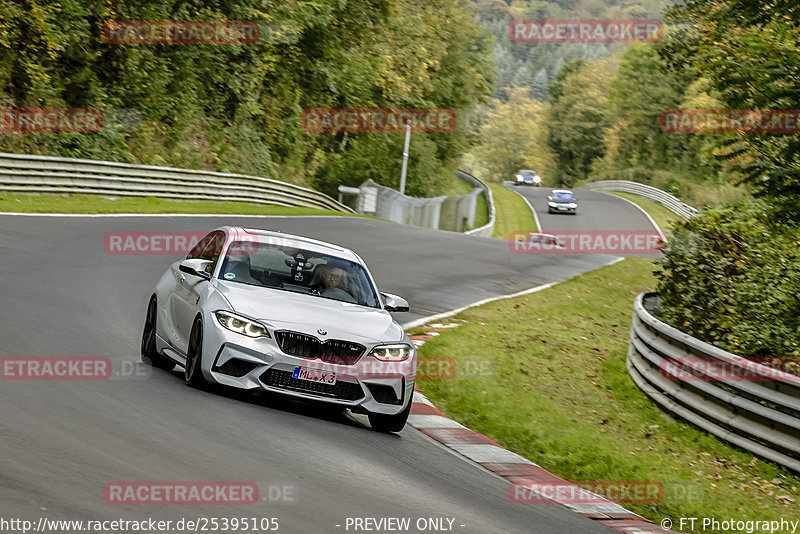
(390, 423)
(149, 351)
(193, 374)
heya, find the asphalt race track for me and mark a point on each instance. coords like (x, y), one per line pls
(596, 211)
(63, 441)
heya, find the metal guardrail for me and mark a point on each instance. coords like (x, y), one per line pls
(44, 174)
(387, 203)
(762, 416)
(451, 213)
(487, 229)
(670, 202)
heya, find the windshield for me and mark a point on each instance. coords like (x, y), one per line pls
(563, 196)
(299, 271)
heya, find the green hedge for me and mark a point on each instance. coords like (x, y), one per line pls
(732, 278)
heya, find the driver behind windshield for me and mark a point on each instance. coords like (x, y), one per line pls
(333, 277)
(334, 284)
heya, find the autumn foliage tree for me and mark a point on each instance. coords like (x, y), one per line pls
(237, 107)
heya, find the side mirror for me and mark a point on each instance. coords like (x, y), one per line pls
(196, 267)
(393, 303)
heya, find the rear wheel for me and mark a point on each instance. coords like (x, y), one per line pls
(193, 374)
(149, 351)
(390, 423)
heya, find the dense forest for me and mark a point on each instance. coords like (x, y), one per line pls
(575, 111)
(238, 107)
(536, 66)
(600, 117)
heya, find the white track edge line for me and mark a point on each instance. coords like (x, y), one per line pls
(444, 315)
(535, 216)
(632, 203)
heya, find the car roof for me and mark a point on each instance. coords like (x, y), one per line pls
(563, 191)
(315, 245)
(526, 170)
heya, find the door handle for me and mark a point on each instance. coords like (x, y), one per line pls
(182, 277)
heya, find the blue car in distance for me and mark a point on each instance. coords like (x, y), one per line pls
(562, 201)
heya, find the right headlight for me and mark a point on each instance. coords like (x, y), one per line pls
(552, 204)
(241, 325)
(392, 353)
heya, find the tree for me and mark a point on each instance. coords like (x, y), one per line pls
(639, 92)
(514, 136)
(578, 118)
(539, 85)
(237, 107)
(749, 52)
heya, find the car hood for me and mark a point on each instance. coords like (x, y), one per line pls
(308, 313)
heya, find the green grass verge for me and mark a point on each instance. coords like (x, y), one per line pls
(80, 203)
(560, 395)
(481, 212)
(663, 217)
(511, 212)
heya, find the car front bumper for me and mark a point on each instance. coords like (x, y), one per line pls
(561, 209)
(235, 360)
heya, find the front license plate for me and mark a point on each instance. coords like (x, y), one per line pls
(562, 208)
(313, 375)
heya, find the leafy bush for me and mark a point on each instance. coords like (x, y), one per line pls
(732, 279)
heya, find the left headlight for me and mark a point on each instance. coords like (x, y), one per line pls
(572, 205)
(392, 353)
(241, 325)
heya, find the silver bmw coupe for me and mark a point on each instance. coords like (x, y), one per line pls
(256, 309)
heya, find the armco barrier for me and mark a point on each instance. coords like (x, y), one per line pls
(653, 193)
(762, 416)
(450, 213)
(387, 203)
(44, 174)
(487, 229)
